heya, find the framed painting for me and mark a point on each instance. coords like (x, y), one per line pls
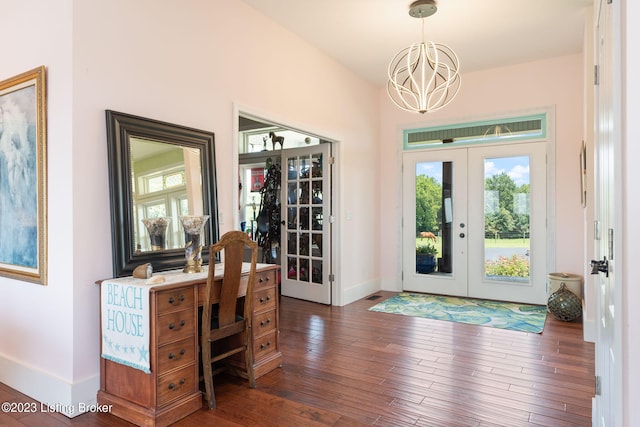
(23, 173)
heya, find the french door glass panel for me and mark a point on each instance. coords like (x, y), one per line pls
(506, 218)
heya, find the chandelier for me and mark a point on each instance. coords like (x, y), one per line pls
(423, 77)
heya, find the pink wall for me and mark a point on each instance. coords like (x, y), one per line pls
(191, 62)
(38, 321)
(506, 92)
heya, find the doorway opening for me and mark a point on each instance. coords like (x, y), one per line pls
(285, 203)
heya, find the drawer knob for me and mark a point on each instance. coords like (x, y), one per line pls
(173, 301)
(263, 345)
(172, 386)
(172, 325)
(265, 322)
(173, 356)
(263, 299)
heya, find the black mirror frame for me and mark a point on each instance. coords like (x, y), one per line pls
(120, 127)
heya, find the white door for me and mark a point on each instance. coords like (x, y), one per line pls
(474, 205)
(508, 201)
(306, 223)
(434, 206)
(608, 402)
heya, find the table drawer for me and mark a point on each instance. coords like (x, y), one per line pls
(264, 299)
(174, 326)
(265, 279)
(264, 345)
(178, 299)
(176, 355)
(264, 322)
(177, 384)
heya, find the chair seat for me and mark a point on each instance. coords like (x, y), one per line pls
(215, 321)
(217, 332)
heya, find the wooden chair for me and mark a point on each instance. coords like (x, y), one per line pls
(226, 319)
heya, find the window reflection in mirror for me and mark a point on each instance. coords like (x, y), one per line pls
(166, 184)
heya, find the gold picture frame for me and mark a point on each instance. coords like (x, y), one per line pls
(23, 177)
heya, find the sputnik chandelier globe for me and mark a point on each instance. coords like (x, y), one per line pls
(423, 77)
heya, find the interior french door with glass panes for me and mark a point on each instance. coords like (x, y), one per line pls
(306, 223)
(475, 222)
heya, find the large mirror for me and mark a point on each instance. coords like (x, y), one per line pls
(158, 172)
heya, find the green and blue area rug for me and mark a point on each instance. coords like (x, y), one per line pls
(503, 315)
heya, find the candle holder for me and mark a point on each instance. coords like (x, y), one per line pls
(157, 229)
(193, 226)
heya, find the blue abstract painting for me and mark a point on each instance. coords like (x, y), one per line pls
(18, 179)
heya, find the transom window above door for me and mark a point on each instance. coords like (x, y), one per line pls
(528, 128)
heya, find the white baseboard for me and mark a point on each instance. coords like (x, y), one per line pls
(52, 393)
(358, 292)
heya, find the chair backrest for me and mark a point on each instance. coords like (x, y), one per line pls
(233, 244)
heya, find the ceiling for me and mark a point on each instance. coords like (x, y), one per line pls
(364, 35)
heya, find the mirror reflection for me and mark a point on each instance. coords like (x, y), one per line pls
(166, 184)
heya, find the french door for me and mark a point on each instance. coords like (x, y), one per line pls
(435, 212)
(482, 210)
(306, 223)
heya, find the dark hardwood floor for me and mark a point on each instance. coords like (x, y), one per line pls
(347, 366)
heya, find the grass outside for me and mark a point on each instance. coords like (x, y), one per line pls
(506, 243)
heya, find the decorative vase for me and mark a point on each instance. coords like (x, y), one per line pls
(157, 229)
(425, 263)
(193, 226)
(564, 304)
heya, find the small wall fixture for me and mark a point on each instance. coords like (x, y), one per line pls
(423, 77)
(497, 131)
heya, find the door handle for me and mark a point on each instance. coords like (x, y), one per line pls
(600, 266)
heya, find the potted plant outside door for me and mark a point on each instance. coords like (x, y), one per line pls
(426, 257)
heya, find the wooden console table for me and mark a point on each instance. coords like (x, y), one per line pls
(171, 391)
